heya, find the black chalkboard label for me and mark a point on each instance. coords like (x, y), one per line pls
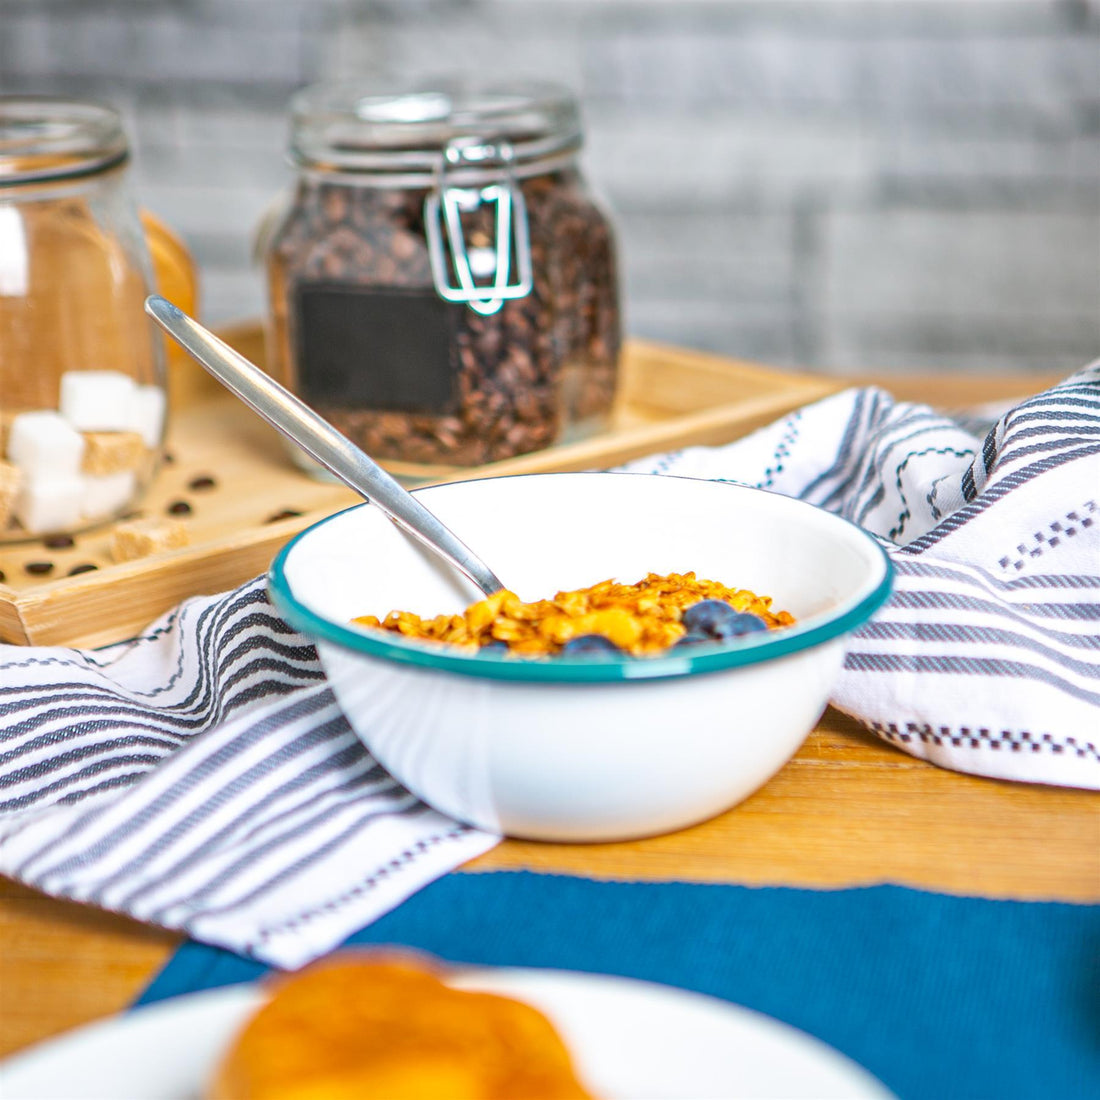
(375, 348)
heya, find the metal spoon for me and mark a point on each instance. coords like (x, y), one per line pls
(315, 435)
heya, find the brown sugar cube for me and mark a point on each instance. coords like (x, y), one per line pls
(5, 431)
(11, 478)
(141, 537)
(112, 452)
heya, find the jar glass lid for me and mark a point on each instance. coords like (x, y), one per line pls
(43, 138)
(358, 126)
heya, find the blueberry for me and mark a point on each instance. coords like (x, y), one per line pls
(710, 617)
(690, 639)
(717, 619)
(746, 623)
(590, 643)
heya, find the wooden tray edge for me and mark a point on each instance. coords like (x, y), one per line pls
(150, 587)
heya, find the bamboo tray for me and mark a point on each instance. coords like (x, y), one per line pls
(668, 398)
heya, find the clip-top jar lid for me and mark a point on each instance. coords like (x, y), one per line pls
(357, 126)
(43, 138)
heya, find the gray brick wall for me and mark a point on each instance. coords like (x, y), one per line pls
(839, 184)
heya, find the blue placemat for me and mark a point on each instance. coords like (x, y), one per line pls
(937, 996)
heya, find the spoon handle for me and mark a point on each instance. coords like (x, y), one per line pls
(315, 435)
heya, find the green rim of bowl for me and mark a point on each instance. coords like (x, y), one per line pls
(749, 650)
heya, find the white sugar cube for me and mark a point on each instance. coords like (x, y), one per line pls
(147, 416)
(49, 503)
(106, 494)
(45, 444)
(97, 400)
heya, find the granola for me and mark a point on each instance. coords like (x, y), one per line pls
(641, 619)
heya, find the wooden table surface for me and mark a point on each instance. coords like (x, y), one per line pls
(847, 810)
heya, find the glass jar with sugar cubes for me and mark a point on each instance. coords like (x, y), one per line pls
(82, 383)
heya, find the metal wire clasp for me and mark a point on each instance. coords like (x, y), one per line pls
(512, 230)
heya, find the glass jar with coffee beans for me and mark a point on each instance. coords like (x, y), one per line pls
(443, 283)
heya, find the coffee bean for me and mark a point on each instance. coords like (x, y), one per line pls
(38, 568)
(179, 508)
(58, 542)
(86, 567)
(201, 483)
(522, 375)
(286, 513)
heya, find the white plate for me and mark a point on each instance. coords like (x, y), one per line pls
(629, 1039)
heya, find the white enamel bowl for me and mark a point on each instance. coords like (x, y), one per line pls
(584, 748)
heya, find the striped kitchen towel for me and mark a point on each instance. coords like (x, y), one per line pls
(201, 777)
(986, 659)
